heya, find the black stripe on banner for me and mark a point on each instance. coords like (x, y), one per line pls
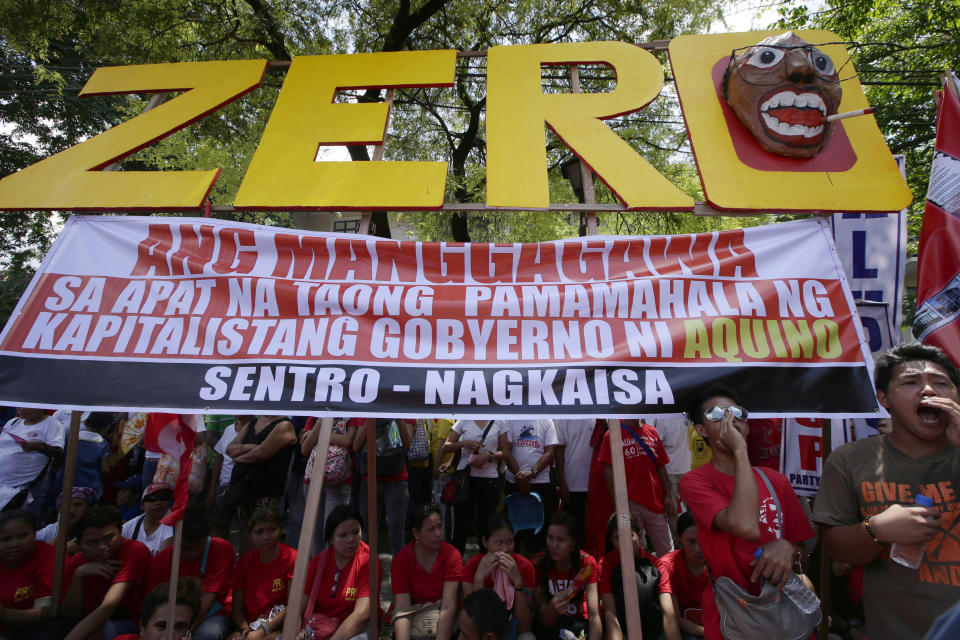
(426, 391)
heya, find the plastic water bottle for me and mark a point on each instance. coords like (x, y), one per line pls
(805, 599)
(910, 555)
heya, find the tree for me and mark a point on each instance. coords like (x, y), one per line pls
(50, 48)
(899, 48)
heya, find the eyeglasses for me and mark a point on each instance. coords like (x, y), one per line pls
(156, 498)
(714, 414)
(763, 56)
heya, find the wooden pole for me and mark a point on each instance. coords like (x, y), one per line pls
(372, 526)
(586, 175)
(624, 534)
(63, 519)
(826, 568)
(174, 577)
(372, 520)
(291, 621)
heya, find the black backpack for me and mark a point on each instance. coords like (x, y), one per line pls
(648, 579)
(390, 460)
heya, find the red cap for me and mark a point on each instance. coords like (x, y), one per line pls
(157, 487)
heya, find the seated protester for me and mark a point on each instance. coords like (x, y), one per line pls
(26, 579)
(611, 585)
(338, 579)
(509, 574)
(262, 578)
(733, 508)
(425, 576)
(83, 499)
(146, 527)
(565, 599)
(154, 619)
(207, 558)
(128, 498)
(105, 581)
(28, 445)
(683, 577)
(483, 616)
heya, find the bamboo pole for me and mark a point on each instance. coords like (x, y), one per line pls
(624, 535)
(826, 569)
(63, 519)
(373, 529)
(291, 621)
(174, 577)
(372, 526)
(630, 598)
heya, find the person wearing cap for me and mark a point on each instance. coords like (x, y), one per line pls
(147, 527)
(128, 498)
(83, 498)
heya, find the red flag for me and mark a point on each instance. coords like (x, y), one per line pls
(937, 320)
(173, 435)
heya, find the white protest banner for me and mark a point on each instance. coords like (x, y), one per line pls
(196, 315)
(802, 457)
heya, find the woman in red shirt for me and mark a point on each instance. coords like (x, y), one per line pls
(426, 572)
(683, 578)
(509, 574)
(342, 595)
(26, 576)
(262, 579)
(565, 603)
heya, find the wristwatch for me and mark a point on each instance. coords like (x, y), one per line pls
(260, 624)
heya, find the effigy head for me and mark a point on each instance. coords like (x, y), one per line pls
(782, 89)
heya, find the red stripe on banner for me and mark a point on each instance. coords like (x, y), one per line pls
(669, 320)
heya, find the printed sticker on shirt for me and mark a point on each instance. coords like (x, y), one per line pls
(528, 437)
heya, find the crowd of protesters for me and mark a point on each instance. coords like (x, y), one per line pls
(455, 500)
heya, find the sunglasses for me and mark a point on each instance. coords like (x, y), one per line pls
(157, 497)
(714, 414)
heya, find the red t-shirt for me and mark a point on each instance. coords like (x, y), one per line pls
(20, 586)
(643, 483)
(527, 572)
(352, 583)
(612, 561)
(556, 581)
(360, 422)
(264, 584)
(408, 576)
(707, 491)
(218, 576)
(676, 578)
(134, 561)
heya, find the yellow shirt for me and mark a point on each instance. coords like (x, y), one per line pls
(701, 453)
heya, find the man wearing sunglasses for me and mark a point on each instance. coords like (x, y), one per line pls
(867, 494)
(734, 509)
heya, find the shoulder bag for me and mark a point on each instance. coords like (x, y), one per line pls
(318, 626)
(744, 616)
(457, 489)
